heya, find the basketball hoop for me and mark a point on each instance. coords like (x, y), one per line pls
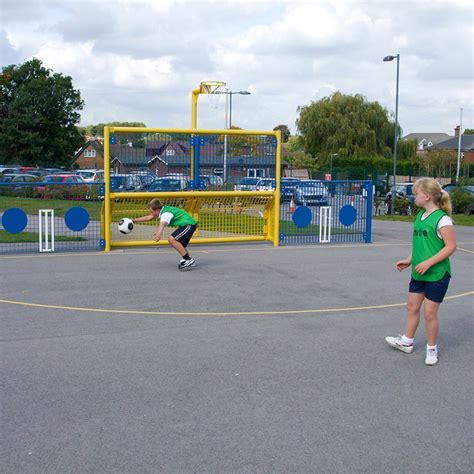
(210, 88)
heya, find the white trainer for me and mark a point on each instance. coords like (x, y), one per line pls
(431, 357)
(397, 343)
(183, 264)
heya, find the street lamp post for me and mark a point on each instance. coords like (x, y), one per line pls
(394, 189)
(229, 125)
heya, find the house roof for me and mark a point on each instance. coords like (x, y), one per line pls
(94, 143)
(211, 154)
(429, 137)
(467, 143)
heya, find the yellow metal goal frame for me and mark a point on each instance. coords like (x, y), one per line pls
(273, 225)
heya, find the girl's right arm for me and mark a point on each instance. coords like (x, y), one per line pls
(402, 264)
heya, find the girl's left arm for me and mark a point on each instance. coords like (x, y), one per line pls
(449, 237)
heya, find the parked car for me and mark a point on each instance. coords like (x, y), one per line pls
(469, 210)
(213, 180)
(39, 172)
(404, 190)
(288, 187)
(8, 170)
(450, 187)
(50, 186)
(247, 184)
(166, 184)
(18, 178)
(311, 193)
(184, 178)
(91, 176)
(463, 201)
(265, 184)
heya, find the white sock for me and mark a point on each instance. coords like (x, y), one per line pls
(431, 348)
(407, 340)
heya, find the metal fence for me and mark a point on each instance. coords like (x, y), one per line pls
(326, 212)
(207, 167)
(221, 159)
(49, 217)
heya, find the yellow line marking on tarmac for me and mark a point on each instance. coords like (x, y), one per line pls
(209, 251)
(196, 250)
(229, 313)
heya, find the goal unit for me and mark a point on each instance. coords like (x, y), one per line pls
(193, 155)
(221, 216)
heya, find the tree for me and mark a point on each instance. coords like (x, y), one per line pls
(468, 131)
(285, 132)
(348, 125)
(98, 129)
(440, 162)
(40, 110)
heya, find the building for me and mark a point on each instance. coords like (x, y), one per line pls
(467, 146)
(426, 140)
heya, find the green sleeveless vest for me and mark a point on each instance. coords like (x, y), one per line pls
(180, 217)
(426, 243)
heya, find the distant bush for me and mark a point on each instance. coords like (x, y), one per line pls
(460, 198)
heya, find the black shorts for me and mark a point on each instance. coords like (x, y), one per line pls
(184, 233)
(433, 290)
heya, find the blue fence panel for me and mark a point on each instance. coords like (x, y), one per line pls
(315, 211)
(76, 224)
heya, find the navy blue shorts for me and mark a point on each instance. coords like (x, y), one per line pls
(433, 290)
(184, 233)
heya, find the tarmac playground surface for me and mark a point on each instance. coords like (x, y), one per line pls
(259, 359)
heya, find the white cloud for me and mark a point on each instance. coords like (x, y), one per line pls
(140, 59)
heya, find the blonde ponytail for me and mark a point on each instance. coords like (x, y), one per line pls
(445, 203)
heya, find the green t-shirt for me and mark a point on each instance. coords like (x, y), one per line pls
(180, 217)
(426, 243)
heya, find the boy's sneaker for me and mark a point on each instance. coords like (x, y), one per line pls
(431, 357)
(186, 263)
(399, 344)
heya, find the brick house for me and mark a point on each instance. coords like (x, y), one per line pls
(467, 146)
(90, 156)
(162, 157)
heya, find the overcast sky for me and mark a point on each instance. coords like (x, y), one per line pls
(138, 60)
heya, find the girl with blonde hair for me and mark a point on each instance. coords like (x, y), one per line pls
(434, 241)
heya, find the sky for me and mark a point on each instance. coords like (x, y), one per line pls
(139, 60)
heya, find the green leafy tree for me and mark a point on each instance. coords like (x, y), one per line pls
(468, 131)
(285, 132)
(238, 145)
(98, 129)
(440, 163)
(348, 125)
(39, 114)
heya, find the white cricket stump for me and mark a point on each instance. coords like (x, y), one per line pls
(46, 230)
(325, 218)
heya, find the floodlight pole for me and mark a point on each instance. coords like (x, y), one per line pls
(228, 108)
(394, 189)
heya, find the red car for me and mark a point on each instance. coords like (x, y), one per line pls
(62, 186)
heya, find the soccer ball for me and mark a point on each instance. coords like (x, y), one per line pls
(125, 225)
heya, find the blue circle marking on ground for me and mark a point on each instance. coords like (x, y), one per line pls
(76, 218)
(14, 220)
(302, 216)
(347, 215)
